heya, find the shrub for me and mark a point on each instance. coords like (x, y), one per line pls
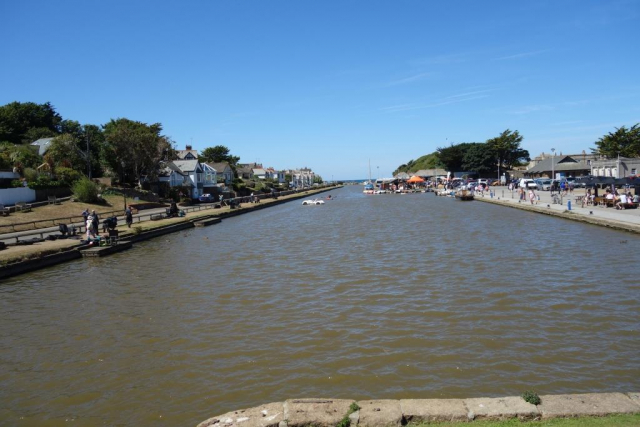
(137, 230)
(86, 191)
(67, 176)
(43, 182)
(30, 174)
(531, 397)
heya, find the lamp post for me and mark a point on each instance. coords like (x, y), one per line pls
(553, 165)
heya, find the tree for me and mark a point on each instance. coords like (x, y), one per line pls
(624, 142)
(506, 148)
(452, 157)
(317, 179)
(428, 161)
(20, 122)
(133, 149)
(218, 154)
(479, 157)
(21, 156)
(66, 150)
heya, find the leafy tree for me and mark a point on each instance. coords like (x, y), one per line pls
(218, 154)
(479, 158)
(133, 149)
(317, 179)
(18, 121)
(453, 156)
(66, 150)
(625, 142)
(506, 148)
(86, 190)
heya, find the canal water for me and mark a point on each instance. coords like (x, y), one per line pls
(390, 296)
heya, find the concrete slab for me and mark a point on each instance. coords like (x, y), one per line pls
(577, 405)
(268, 415)
(501, 408)
(316, 412)
(380, 413)
(416, 410)
(635, 397)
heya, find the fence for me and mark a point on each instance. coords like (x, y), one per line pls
(39, 231)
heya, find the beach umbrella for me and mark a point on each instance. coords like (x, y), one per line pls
(415, 179)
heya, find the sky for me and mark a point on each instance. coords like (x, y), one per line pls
(332, 85)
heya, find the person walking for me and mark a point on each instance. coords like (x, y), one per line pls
(85, 214)
(128, 216)
(532, 196)
(89, 225)
(96, 220)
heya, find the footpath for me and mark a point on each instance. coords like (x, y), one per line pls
(626, 220)
(387, 413)
(18, 259)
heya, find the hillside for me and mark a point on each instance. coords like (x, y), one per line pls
(428, 161)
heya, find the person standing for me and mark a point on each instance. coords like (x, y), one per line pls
(96, 220)
(128, 216)
(85, 214)
(89, 224)
(532, 196)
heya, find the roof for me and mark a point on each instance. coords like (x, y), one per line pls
(402, 175)
(185, 165)
(220, 166)
(43, 144)
(430, 172)
(259, 171)
(183, 153)
(560, 163)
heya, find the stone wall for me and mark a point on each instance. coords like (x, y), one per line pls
(386, 413)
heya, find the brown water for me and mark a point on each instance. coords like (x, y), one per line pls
(364, 297)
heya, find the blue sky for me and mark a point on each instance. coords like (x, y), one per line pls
(332, 84)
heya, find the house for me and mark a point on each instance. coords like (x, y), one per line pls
(244, 171)
(275, 175)
(621, 167)
(303, 177)
(567, 165)
(187, 154)
(259, 173)
(223, 171)
(429, 173)
(402, 176)
(194, 176)
(42, 145)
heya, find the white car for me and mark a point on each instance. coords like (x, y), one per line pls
(527, 183)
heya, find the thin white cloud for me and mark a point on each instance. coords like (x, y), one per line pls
(445, 101)
(463, 95)
(410, 79)
(522, 55)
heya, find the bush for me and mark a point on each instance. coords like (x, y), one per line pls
(43, 182)
(30, 174)
(531, 397)
(67, 176)
(86, 191)
(137, 230)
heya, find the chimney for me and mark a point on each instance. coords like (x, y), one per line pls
(189, 147)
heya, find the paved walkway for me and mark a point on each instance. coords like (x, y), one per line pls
(630, 216)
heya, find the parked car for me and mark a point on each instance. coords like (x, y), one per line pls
(206, 198)
(543, 184)
(527, 183)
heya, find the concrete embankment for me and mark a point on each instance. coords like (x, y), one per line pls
(151, 230)
(384, 413)
(546, 209)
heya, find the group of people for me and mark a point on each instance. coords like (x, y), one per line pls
(523, 195)
(92, 220)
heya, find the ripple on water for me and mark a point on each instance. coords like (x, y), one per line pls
(366, 297)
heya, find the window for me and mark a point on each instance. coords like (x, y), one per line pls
(633, 171)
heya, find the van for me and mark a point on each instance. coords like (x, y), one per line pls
(528, 183)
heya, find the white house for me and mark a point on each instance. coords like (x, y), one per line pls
(223, 171)
(190, 173)
(259, 173)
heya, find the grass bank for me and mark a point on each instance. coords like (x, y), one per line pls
(610, 420)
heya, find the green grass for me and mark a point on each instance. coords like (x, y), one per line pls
(611, 420)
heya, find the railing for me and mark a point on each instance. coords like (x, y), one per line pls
(140, 217)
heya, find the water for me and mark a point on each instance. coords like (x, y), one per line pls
(365, 297)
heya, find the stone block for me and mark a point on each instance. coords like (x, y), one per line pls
(501, 408)
(417, 410)
(380, 413)
(268, 415)
(578, 405)
(635, 397)
(315, 412)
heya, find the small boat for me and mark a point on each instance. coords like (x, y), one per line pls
(313, 202)
(464, 194)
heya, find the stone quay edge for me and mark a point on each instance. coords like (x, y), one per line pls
(326, 412)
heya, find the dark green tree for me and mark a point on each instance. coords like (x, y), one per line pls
(133, 149)
(218, 154)
(452, 157)
(479, 158)
(624, 142)
(21, 122)
(507, 150)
